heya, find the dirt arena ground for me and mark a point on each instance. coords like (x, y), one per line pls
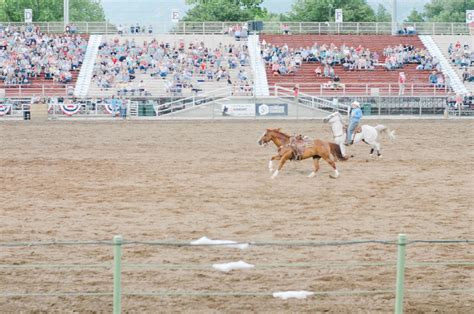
(160, 180)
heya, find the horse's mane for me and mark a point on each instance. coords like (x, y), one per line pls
(279, 132)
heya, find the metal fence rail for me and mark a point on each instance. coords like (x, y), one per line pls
(118, 243)
(269, 27)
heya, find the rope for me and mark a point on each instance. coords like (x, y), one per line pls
(54, 294)
(266, 266)
(55, 266)
(262, 243)
(262, 266)
(303, 265)
(328, 293)
(440, 241)
(223, 294)
(51, 243)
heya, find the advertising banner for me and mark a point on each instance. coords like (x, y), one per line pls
(271, 109)
(238, 110)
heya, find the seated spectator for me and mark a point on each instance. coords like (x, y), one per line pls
(411, 30)
(470, 78)
(433, 78)
(465, 75)
(326, 71)
(440, 80)
(317, 71)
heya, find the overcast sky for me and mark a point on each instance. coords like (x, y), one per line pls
(153, 11)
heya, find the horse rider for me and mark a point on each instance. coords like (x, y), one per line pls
(355, 116)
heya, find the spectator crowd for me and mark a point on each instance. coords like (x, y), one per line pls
(27, 53)
(462, 56)
(182, 66)
(282, 60)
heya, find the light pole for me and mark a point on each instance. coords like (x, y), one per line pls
(66, 13)
(394, 17)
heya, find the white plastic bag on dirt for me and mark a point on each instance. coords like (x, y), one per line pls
(231, 266)
(225, 243)
(292, 294)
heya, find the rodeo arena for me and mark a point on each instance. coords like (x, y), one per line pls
(179, 170)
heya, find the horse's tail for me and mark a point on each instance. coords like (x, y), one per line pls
(383, 129)
(336, 152)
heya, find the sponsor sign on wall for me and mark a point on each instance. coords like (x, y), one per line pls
(271, 109)
(238, 110)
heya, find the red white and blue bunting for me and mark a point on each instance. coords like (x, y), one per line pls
(110, 109)
(5, 109)
(70, 109)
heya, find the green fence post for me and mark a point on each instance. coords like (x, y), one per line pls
(402, 240)
(117, 274)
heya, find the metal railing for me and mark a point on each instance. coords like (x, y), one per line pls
(315, 89)
(269, 27)
(37, 90)
(365, 89)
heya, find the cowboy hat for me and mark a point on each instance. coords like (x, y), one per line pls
(356, 103)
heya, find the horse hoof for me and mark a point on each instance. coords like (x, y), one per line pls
(271, 169)
(312, 175)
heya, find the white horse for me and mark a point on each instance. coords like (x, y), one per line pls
(368, 135)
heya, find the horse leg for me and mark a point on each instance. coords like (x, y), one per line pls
(377, 146)
(333, 165)
(343, 149)
(315, 166)
(283, 159)
(270, 163)
(372, 151)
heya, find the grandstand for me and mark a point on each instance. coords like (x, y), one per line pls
(357, 82)
(131, 67)
(39, 64)
(180, 54)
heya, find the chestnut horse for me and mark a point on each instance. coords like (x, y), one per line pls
(317, 149)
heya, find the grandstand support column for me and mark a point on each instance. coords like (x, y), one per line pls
(394, 17)
(66, 13)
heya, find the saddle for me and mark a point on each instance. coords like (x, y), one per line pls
(298, 145)
(358, 129)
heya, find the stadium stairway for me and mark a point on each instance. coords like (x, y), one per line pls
(258, 67)
(443, 41)
(357, 82)
(87, 68)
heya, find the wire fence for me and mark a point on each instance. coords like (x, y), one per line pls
(118, 267)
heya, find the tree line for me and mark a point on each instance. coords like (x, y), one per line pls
(245, 10)
(51, 10)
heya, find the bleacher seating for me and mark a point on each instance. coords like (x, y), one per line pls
(33, 45)
(443, 42)
(358, 82)
(162, 87)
